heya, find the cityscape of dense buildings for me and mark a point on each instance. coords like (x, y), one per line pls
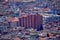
(29, 19)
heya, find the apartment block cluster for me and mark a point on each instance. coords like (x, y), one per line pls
(29, 20)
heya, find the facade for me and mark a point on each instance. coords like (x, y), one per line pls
(20, 0)
(28, 0)
(31, 21)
